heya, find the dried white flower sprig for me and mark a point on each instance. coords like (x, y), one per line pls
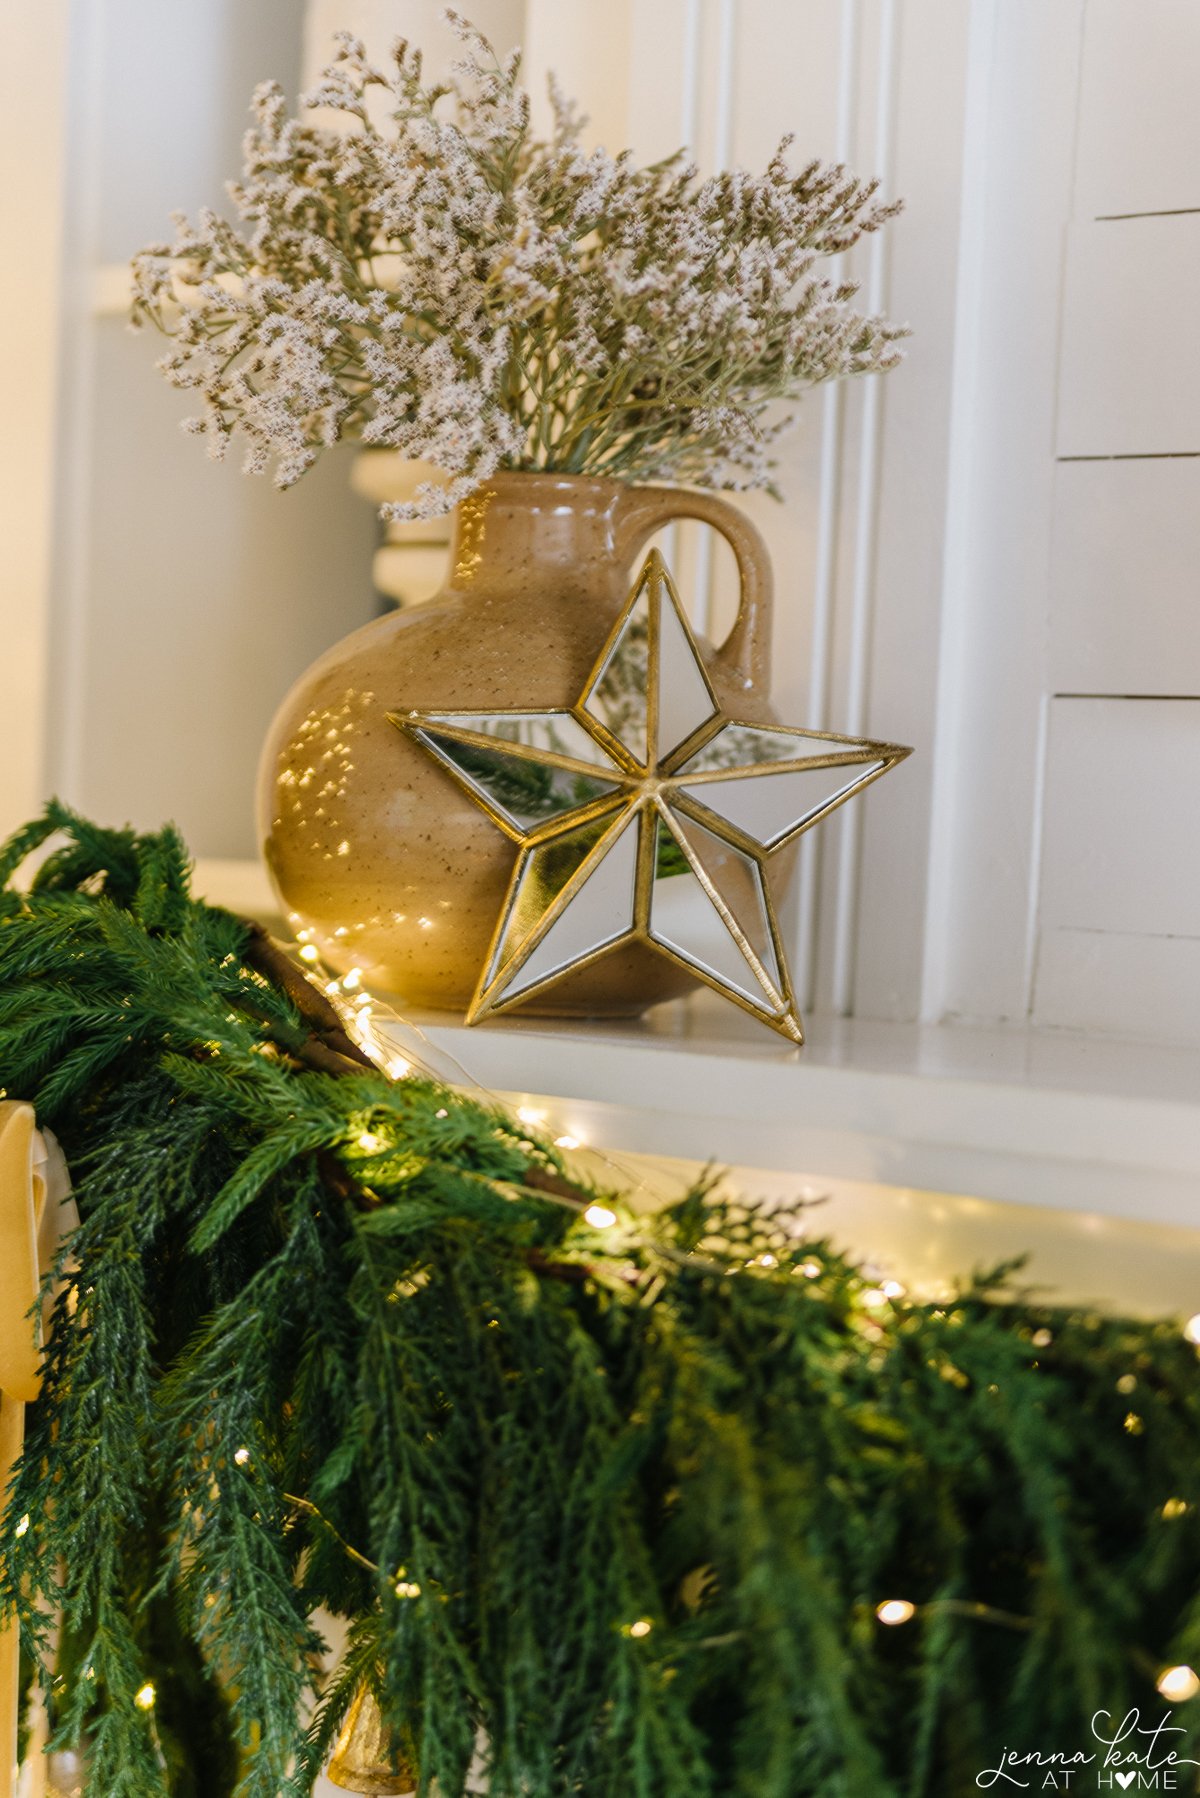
(460, 290)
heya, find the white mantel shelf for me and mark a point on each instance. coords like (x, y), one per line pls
(1042, 1118)
(1056, 1119)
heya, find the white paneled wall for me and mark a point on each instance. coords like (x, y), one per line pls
(1119, 912)
(1132, 295)
(1066, 857)
(1125, 551)
(991, 554)
(1120, 891)
(1139, 124)
(1119, 857)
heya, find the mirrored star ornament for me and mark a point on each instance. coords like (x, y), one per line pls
(645, 814)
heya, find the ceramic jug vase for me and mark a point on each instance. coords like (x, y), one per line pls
(371, 845)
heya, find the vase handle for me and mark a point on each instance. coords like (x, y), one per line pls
(747, 648)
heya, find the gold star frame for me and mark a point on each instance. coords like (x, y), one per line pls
(644, 814)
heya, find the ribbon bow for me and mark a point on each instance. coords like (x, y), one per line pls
(36, 1212)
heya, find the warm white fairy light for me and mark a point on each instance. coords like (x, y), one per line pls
(22, 1526)
(145, 1696)
(599, 1217)
(363, 1026)
(407, 1588)
(1178, 1684)
(874, 1297)
(1175, 1507)
(895, 1610)
(310, 953)
(528, 1115)
(892, 1289)
(441, 1112)
(566, 1142)
(810, 1269)
(241, 1456)
(641, 1628)
(1191, 1329)
(370, 1143)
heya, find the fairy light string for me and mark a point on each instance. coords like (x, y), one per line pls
(873, 1362)
(363, 1011)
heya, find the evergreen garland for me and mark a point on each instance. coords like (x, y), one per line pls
(618, 1503)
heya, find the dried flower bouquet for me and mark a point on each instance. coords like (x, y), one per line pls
(461, 290)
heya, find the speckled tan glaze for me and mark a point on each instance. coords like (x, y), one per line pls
(374, 848)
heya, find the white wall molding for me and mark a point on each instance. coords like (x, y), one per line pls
(805, 914)
(983, 879)
(855, 720)
(896, 471)
(951, 698)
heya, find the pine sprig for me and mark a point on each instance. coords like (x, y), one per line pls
(612, 1508)
(99, 1360)
(232, 1556)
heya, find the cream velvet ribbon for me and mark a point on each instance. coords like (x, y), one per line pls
(36, 1211)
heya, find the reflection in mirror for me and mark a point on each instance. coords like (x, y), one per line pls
(525, 791)
(744, 745)
(600, 913)
(685, 699)
(684, 918)
(558, 733)
(617, 697)
(771, 807)
(738, 878)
